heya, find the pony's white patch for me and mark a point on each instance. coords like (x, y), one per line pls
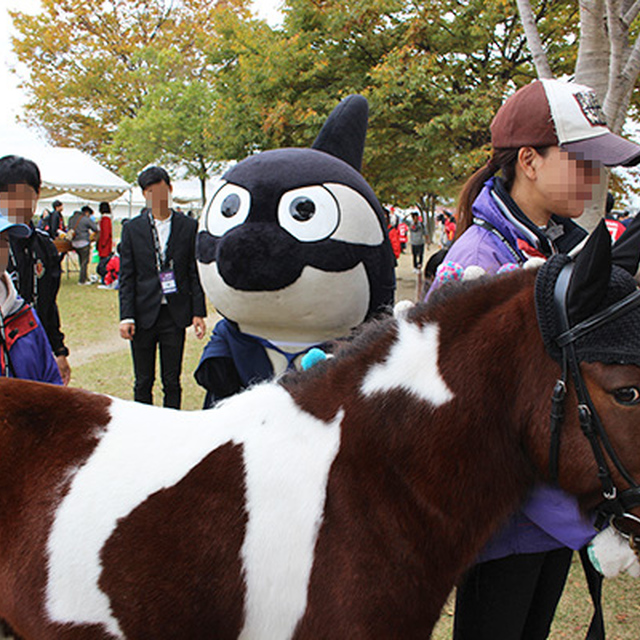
(287, 456)
(533, 263)
(412, 365)
(402, 308)
(284, 517)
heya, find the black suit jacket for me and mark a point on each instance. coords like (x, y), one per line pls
(139, 284)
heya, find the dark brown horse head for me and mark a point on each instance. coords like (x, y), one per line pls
(589, 316)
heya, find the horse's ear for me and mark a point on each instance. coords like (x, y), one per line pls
(590, 278)
(626, 252)
(343, 134)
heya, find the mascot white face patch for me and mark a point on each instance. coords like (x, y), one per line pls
(264, 312)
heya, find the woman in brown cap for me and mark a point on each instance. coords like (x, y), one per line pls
(550, 142)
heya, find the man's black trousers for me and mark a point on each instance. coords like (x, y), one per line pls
(168, 338)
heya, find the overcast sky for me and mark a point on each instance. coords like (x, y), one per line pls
(12, 97)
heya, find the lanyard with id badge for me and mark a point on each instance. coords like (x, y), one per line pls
(165, 270)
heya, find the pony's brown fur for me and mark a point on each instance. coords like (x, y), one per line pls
(413, 494)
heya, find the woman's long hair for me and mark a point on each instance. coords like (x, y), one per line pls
(503, 160)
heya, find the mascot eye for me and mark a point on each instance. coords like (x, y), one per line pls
(309, 214)
(302, 209)
(628, 396)
(228, 208)
(230, 205)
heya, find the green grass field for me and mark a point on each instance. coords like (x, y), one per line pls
(101, 362)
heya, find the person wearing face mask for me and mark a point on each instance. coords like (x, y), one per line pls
(159, 289)
(25, 351)
(550, 142)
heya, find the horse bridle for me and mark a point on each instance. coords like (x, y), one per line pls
(617, 504)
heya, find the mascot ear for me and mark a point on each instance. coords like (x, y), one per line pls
(343, 134)
(626, 252)
(591, 274)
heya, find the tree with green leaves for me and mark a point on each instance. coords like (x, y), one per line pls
(173, 126)
(192, 83)
(434, 74)
(96, 66)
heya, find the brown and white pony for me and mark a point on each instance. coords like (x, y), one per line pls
(342, 502)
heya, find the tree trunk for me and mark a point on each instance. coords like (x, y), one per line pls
(533, 39)
(606, 62)
(203, 175)
(592, 65)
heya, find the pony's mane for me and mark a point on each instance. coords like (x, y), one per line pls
(362, 338)
(493, 289)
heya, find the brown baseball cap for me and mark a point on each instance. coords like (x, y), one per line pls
(552, 112)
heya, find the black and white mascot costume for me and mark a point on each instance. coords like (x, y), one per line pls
(292, 252)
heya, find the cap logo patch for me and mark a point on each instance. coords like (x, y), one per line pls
(591, 108)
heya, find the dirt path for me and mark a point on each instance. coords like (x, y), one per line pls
(409, 284)
(83, 354)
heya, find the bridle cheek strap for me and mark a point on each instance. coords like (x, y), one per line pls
(616, 503)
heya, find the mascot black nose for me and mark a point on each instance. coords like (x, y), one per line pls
(259, 257)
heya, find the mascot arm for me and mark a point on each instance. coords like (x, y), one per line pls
(219, 377)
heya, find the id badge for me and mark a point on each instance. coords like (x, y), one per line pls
(168, 282)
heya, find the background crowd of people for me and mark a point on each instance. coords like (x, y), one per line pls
(79, 233)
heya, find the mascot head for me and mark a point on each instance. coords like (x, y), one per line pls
(292, 246)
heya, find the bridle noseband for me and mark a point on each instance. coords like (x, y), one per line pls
(617, 504)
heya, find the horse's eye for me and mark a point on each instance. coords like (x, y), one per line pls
(627, 396)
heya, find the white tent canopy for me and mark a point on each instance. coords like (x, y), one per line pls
(65, 170)
(74, 177)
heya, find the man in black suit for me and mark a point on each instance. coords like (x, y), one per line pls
(160, 292)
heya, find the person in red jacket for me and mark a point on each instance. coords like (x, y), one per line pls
(392, 232)
(614, 227)
(403, 232)
(105, 239)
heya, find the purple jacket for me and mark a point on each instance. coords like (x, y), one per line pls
(549, 519)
